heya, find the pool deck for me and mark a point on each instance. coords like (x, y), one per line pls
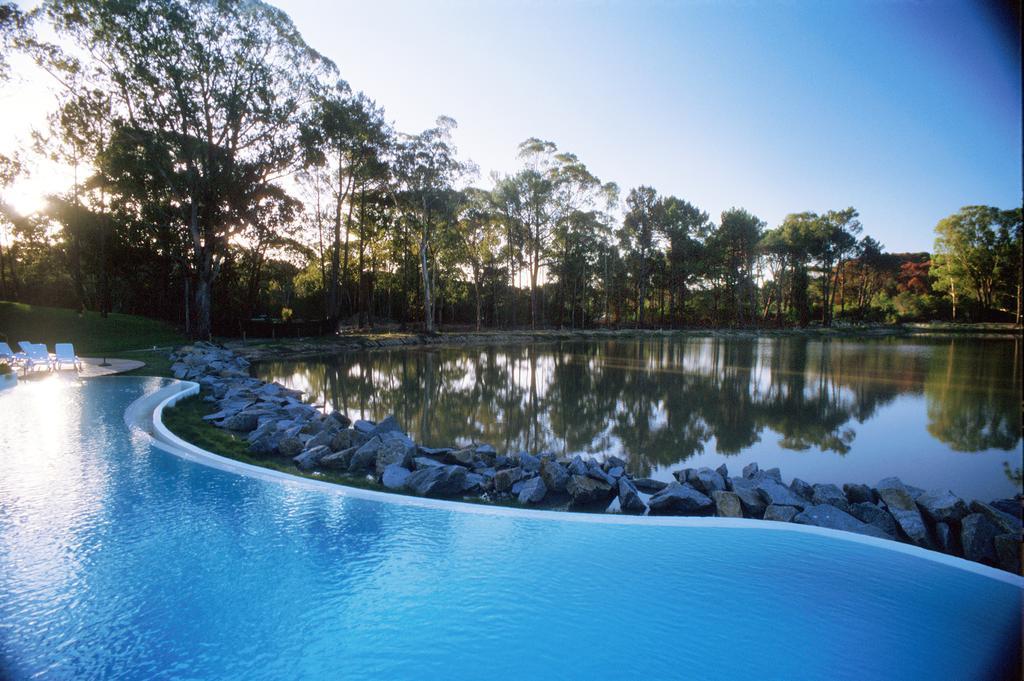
(91, 366)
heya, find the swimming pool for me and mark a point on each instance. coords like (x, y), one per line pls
(121, 560)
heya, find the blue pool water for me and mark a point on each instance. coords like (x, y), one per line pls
(120, 560)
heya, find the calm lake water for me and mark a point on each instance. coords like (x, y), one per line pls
(937, 413)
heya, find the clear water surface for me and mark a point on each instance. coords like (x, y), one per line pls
(121, 561)
(937, 413)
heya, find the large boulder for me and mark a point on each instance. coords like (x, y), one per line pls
(365, 456)
(1007, 523)
(750, 470)
(774, 492)
(554, 474)
(529, 462)
(649, 485)
(832, 495)
(945, 539)
(243, 422)
(394, 476)
(595, 471)
(977, 536)
(341, 419)
(900, 502)
(706, 481)
(310, 458)
(802, 489)
(750, 498)
(322, 439)
(338, 460)
(577, 466)
(1008, 553)
(587, 491)
(437, 481)
(506, 478)
(629, 497)
(681, 499)
(781, 514)
(460, 457)
(342, 439)
(533, 491)
(873, 514)
(859, 494)
(393, 451)
(388, 425)
(827, 515)
(290, 446)
(727, 504)
(941, 506)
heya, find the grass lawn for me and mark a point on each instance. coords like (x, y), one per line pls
(92, 335)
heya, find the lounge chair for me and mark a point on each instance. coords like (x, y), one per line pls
(65, 354)
(7, 354)
(36, 355)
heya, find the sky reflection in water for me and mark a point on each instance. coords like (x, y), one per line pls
(938, 413)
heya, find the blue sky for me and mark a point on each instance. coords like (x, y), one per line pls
(905, 110)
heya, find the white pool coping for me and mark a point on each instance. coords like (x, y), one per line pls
(146, 414)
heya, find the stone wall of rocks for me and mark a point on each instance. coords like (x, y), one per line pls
(277, 423)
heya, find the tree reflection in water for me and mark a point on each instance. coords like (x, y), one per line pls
(658, 402)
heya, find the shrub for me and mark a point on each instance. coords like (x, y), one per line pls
(286, 314)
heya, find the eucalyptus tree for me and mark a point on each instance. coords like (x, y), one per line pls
(347, 137)
(639, 238)
(734, 248)
(479, 238)
(212, 91)
(836, 241)
(683, 228)
(426, 168)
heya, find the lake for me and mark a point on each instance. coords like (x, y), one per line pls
(938, 413)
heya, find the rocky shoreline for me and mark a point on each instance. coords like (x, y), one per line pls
(277, 423)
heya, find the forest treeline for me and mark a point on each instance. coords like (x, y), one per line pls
(224, 172)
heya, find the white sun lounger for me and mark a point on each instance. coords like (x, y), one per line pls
(7, 354)
(65, 354)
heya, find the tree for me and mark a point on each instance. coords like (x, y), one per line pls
(733, 248)
(977, 255)
(683, 227)
(214, 91)
(479, 238)
(642, 226)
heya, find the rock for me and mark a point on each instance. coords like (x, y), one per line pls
(474, 481)
(750, 470)
(774, 492)
(342, 440)
(727, 504)
(585, 490)
(613, 462)
(1008, 553)
(461, 457)
(486, 451)
(340, 418)
(1007, 523)
(529, 463)
(706, 481)
(782, 514)
(873, 514)
(506, 478)
(903, 509)
(859, 494)
(365, 456)
(290, 446)
(322, 439)
(942, 506)
(555, 476)
(425, 462)
(977, 536)
(629, 498)
(649, 485)
(577, 466)
(533, 491)
(394, 476)
(944, 538)
(679, 499)
(773, 473)
(832, 495)
(802, 489)
(243, 422)
(723, 470)
(750, 498)
(393, 451)
(435, 452)
(616, 472)
(682, 475)
(309, 459)
(363, 426)
(827, 515)
(388, 425)
(595, 471)
(437, 481)
(338, 460)
(1010, 507)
